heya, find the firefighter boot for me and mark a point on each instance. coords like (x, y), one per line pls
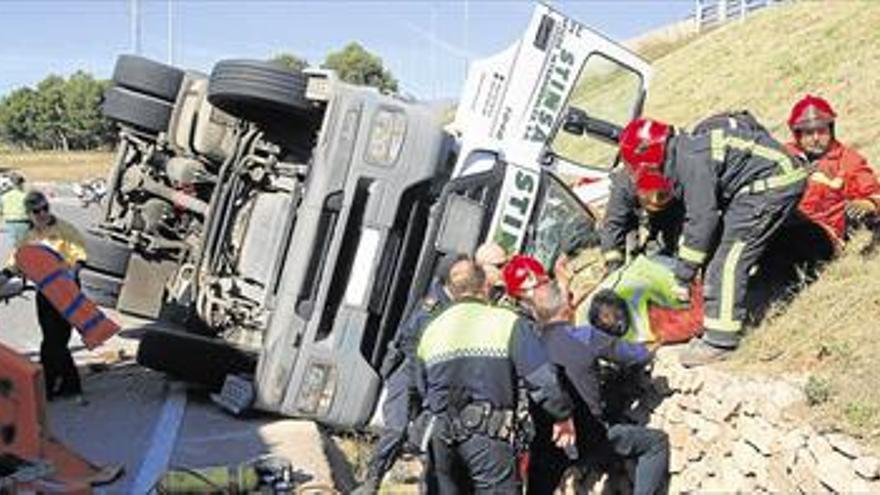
(700, 353)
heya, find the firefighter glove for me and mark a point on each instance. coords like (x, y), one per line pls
(858, 209)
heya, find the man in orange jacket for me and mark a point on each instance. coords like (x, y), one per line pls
(842, 186)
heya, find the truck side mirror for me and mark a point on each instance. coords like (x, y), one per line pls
(579, 123)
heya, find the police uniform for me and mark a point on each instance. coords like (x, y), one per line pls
(577, 350)
(624, 215)
(397, 371)
(14, 215)
(471, 356)
(744, 184)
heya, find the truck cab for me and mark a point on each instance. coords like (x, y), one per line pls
(318, 210)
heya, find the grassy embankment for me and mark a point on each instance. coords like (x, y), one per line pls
(829, 331)
(51, 166)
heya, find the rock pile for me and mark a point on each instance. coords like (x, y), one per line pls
(734, 434)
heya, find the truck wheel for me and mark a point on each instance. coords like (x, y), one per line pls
(136, 109)
(106, 256)
(146, 76)
(102, 289)
(193, 358)
(259, 91)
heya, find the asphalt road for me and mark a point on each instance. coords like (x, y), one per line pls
(126, 420)
(18, 320)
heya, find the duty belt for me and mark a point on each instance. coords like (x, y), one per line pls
(780, 181)
(480, 418)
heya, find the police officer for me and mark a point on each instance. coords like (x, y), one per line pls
(15, 219)
(60, 373)
(471, 356)
(740, 182)
(401, 400)
(578, 350)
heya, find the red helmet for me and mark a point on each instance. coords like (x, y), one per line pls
(522, 273)
(643, 144)
(810, 112)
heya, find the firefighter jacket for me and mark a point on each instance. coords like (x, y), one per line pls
(12, 206)
(840, 175)
(578, 349)
(624, 215)
(708, 170)
(59, 235)
(476, 352)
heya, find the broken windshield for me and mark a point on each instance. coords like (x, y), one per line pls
(562, 221)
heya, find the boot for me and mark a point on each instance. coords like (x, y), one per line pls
(701, 353)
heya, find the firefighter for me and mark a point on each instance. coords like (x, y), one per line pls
(471, 356)
(60, 373)
(658, 211)
(737, 186)
(842, 186)
(402, 403)
(15, 218)
(661, 213)
(578, 350)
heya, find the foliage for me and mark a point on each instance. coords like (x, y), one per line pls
(356, 65)
(58, 114)
(290, 61)
(817, 390)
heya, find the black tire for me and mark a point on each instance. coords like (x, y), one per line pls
(193, 358)
(139, 110)
(106, 256)
(147, 76)
(259, 91)
(101, 288)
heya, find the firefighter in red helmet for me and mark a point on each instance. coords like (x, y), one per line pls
(737, 185)
(842, 187)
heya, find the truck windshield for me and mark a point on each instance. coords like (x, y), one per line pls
(561, 218)
(607, 91)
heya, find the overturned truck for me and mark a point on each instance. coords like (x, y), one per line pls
(286, 221)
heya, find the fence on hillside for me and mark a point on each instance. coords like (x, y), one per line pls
(713, 13)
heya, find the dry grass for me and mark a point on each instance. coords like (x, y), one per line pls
(828, 334)
(767, 62)
(51, 166)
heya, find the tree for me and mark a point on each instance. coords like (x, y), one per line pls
(58, 114)
(356, 65)
(290, 61)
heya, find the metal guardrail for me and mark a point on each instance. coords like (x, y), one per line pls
(709, 14)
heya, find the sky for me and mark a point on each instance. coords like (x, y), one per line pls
(426, 44)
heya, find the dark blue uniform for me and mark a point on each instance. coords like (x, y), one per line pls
(472, 356)
(397, 370)
(578, 350)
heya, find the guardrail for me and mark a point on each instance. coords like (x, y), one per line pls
(710, 14)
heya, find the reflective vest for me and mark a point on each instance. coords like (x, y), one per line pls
(467, 329)
(13, 206)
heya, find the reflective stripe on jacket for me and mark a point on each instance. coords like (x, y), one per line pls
(709, 170)
(474, 352)
(841, 175)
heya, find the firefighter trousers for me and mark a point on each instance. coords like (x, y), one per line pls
(748, 223)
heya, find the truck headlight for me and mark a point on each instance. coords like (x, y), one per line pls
(317, 389)
(386, 137)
